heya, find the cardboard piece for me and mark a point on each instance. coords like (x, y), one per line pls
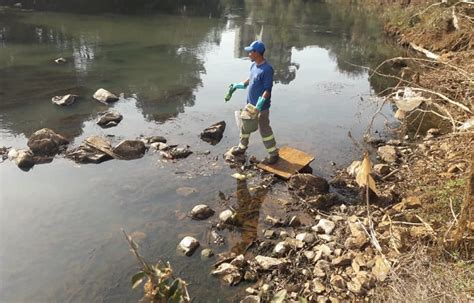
(291, 162)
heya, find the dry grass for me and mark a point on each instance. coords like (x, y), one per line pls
(421, 277)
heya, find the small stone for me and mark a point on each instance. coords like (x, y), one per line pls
(272, 221)
(326, 238)
(269, 263)
(23, 158)
(229, 273)
(283, 234)
(251, 299)
(227, 216)
(343, 208)
(307, 185)
(306, 237)
(295, 244)
(201, 212)
(388, 153)
(130, 149)
(159, 146)
(337, 252)
(318, 287)
(239, 261)
(325, 226)
(251, 291)
(355, 287)
(309, 255)
(338, 282)
(207, 253)
(104, 96)
(354, 168)
(188, 245)
(250, 276)
(64, 100)
(269, 234)
(343, 260)
(318, 272)
(381, 169)
(213, 134)
(281, 248)
(186, 191)
(325, 250)
(381, 268)
(156, 139)
(60, 60)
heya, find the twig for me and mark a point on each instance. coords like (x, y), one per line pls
(391, 174)
(462, 106)
(452, 210)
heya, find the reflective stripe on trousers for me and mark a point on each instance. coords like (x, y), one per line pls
(265, 131)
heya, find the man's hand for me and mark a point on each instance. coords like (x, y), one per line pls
(260, 103)
(232, 88)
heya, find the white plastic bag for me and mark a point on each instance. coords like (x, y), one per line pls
(238, 120)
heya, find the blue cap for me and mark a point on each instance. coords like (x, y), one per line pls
(256, 46)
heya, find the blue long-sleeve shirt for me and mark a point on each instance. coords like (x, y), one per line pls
(260, 80)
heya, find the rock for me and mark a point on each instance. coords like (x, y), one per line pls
(251, 299)
(325, 226)
(159, 146)
(216, 238)
(295, 244)
(343, 260)
(177, 153)
(130, 149)
(394, 142)
(306, 237)
(325, 250)
(46, 142)
(284, 234)
(239, 261)
(355, 287)
(229, 273)
(318, 272)
(201, 212)
(87, 154)
(365, 279)
(227, 216)
(327, 238)
(229, 157)
(381, 169)
(456, 168)
(358, 237)
(213, 134)
(268, 234)
(207, 253)
(411, 202)
(156, 139)
(431, 133)
(318, 287)
(186, 191)
(109, 119)
(250, 276)
(381, 268)
(23, 158)
(64, 100)
(269, 263)
(388, 153)
(323, 201)
(294, 221)
(338, 282)
(104, 96)
(60, 60)
(354, 168)
(309, 255)
(272, 221)
(307, 185)
(420, 232)
(188, 245)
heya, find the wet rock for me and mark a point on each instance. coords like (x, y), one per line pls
(227, 216)
(109, 119)
(323, 201)
(60, 60)
(207, 253)
(156, 139)
(381, 268)
(354, 168)
(86, 154)
(64, 100)
(251, 299)
(307, 185)
(239, 261)
(318, 287)
(229, 157)
(23, 158)
(213, 134)
(201, 212)
(186, 191)
(388, 153)
(325, 226)
(130, 149)
(338, 282)
(177, 153)
(269, 263)
(306, 237)
(250, 276)
(46, 142)
(159, 146)
(188, 245)
(280, 249)
(228, 273)
(104, 96)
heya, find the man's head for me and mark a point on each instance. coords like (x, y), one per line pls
(256, 50)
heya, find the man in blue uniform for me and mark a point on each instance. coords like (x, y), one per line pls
(260, 85)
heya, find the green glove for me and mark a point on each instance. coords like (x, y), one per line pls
(260, 103)
(232, 88)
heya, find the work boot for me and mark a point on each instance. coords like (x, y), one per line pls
(236, 151)
(271, 159)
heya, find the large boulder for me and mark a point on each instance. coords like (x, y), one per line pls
(307, 185)
(64, 100)
(109, 119)
(46, 142)
(213, 134)
(104, 96)
(130, 149)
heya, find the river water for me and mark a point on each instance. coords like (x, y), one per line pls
(60, 223)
